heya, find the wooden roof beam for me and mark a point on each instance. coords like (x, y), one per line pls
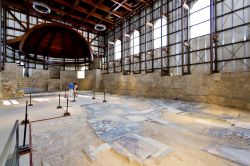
(103, 8)
(125, 5)
(73, 16)
(99, 2)
(80, 9)
(138, 8)
(112, 11)
(76, 3)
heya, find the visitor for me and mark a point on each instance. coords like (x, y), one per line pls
(76, 89)
(71, 89)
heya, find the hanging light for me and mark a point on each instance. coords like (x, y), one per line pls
(100, 27)
(41, 7)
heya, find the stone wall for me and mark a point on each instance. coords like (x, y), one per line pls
(36, 82)
(228, 89)
(91, 81)
(67, 77)
(14, 84)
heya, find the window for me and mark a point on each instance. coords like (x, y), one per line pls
(118, 49)
(81, 73)
(135, 43)
(160, 33)
(200, 18)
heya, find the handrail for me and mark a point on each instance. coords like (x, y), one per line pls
(5, 152)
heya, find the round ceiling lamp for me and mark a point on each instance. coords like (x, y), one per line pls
(100, 27)
(41, 7)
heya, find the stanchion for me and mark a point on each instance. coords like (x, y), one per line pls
(65, 93)
(104, 94)
(30, 101)
(93, 94)
(59, 106)
(67, 108)
(25, 148)
(74, 100)
(26, 115)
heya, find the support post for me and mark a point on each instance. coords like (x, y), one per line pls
(1, 41)
(188, 40)
(93, 94)
(182, 41)
(59, 105)
(65, 93)
(26, 115)
(104, 96)
(215, 38)
(211, 36)
(67, 108)
(4, 33)
(30, 100)
(25, 148)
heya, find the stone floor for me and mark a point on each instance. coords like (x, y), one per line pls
(130, 131)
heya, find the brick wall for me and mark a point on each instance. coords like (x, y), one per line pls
(13, 84)
(228, 89)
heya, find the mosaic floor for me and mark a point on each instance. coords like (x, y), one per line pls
(133, 131)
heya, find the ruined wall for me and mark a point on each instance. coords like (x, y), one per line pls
(9, 82)
(181, 51)
(67, 77)
(36, 82)
(14, 84)
(91, 81)
(228, 89)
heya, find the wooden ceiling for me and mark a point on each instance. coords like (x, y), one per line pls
(52, 40)
(85, 13)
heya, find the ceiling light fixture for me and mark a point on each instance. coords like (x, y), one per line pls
(100, 27)
(41, 7)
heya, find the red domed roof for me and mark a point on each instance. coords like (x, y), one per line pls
(53, 40)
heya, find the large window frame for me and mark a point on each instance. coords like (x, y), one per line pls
(160, 33)
(199, 18)
(135, 42)
(118, 49)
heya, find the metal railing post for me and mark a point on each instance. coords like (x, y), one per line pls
(30, 100)
(67, 108)
(25, 148)
(93, 94)
(104, 96)
(59, 105)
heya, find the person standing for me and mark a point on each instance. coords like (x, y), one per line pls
(71, 89)
(76, 89)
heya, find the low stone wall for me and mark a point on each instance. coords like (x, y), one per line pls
(14, 84)
(91, 81)
(67, 77)
(227, 89)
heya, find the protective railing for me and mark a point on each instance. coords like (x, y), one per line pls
(10, 153)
